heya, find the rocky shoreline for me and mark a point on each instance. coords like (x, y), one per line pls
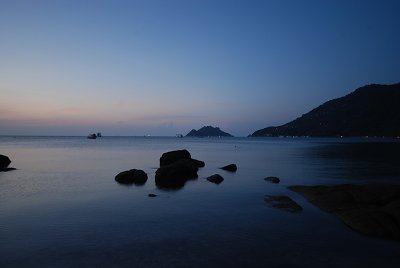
(371, 209)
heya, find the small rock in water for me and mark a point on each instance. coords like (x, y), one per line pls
(216, 178)
(272, 179)
(4, 161)
(152, 195)
(231, 168)
(282, 202)
(133, 176)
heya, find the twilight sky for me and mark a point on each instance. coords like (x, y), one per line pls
(165, 67)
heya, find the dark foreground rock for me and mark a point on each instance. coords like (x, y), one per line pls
(7, 169)
(372, 209)
(216, 178)
(176, 174)
(173, 156)
(282, 202)
(272, 179)
(230, 167)
(133, 176)
(4, 161)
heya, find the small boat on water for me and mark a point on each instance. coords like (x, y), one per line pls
(92, 136)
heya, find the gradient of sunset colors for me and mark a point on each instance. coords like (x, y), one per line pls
(165, 67)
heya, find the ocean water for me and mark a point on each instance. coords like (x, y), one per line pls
(63, 208)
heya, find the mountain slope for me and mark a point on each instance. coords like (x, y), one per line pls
(208, 131)
(372, 110)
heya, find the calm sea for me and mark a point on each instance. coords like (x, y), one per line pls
(63, 208)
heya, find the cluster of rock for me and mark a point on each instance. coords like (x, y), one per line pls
(176, 167)
(4, 163)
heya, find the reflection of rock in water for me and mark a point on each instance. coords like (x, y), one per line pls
(372, 209)
(134, 176)
(174, 176)
(364, 160)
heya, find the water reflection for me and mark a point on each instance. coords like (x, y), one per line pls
(373, 160)
(173, 184)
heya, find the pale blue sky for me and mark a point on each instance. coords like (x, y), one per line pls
(165, 67)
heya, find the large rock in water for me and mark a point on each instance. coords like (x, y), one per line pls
(372, 209)
(176, 174)
(133, 176)
(173, 156)
(4, 161)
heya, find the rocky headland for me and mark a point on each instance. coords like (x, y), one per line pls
(371, 110)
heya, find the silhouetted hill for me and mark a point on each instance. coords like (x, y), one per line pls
(372, 110)
(208, 131)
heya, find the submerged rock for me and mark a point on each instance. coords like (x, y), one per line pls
(133, 176)
(173, 156)
(272, 179)
(216, 178)
(151, 195)
(4, 161)
(231, 168)
(372, 209)
(176, 174)
(282, 202)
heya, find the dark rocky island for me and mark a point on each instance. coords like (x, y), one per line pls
(372, 110)
(208, 131)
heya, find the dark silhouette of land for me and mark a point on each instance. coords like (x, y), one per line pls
(372, 110)
(208, 131)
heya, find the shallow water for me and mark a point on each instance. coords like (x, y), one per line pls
(62, 207)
